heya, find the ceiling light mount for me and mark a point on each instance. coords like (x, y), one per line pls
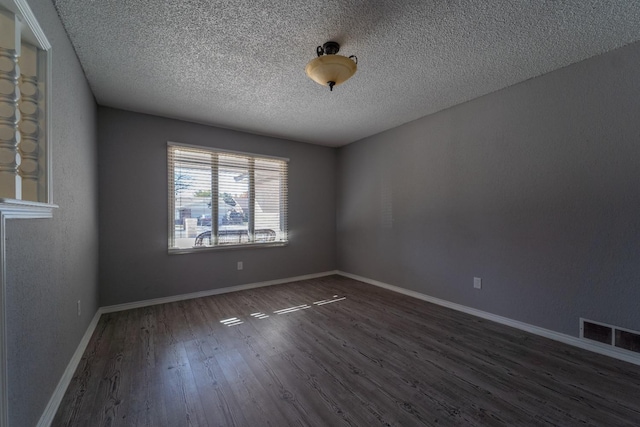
(329, 68)
(329, 48)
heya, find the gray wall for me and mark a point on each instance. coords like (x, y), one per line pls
(534, 188)
(53, 263)
(134, 263)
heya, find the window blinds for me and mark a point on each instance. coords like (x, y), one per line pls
(223, 198)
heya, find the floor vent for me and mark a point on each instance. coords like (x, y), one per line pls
(625, 339)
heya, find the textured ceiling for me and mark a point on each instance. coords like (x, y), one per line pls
(239, 64)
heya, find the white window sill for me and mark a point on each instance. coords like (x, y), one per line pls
(177, 251)
(12, 208)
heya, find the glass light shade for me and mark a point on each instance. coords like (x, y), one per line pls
(331, 68)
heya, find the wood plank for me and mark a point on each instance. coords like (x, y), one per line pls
(180, 399)
(77, 401)
(220, 406)
(146, 407)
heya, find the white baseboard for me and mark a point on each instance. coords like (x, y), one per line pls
(182, 297)
(547, 333)
(52, 407)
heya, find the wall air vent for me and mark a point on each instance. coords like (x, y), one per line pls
(615, 336)
(628, 340)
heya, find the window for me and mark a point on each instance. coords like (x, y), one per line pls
(221, 198)
(25, 86)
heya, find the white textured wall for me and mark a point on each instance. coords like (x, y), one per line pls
(533, 188)
(53, 263)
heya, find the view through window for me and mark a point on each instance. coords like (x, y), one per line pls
(219, 198)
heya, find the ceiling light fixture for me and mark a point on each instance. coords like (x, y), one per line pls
(329, 69)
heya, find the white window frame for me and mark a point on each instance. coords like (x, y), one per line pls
(32, 33)
(214, 203)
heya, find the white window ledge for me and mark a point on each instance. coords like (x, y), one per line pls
(173, 251)
(17, 209)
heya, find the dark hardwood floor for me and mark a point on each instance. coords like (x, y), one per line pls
(372, 358)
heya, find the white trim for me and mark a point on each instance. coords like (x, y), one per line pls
(45, 141)
(226, 247)
(21, 209)
(182, 297)
(214, 149)
(31, 21)
(614, 352)
(4, 386)
(52, 407)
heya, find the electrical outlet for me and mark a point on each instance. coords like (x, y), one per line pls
(79, 308)
(239, 265)
(477, 283)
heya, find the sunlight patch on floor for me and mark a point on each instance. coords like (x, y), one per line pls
(292, 309)
(259, 315)
(233, 321)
